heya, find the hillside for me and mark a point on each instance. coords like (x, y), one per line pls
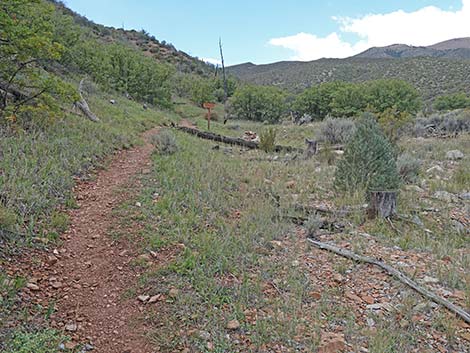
(143, 41)
(432, 76)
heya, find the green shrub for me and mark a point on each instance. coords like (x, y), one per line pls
(336, 131)
(45, 341)
(59, 221)
(268, 140)
(368, 162)
(165, 142)
(408, 168)
(452, 102)
(392, 123)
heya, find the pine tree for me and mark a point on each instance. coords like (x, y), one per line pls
(368, 162)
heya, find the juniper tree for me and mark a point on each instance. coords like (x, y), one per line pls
(369, 160)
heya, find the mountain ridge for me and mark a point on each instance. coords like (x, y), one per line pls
(432, 75)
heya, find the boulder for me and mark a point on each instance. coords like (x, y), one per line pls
(454, 155)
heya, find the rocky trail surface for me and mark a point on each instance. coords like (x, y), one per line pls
(88, 275)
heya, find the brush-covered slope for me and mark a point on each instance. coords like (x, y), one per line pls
(432, 76)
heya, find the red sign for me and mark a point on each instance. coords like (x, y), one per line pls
(208, 105)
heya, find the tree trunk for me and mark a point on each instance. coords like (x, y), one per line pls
(382, 204)
(83, 105)
(234, 140)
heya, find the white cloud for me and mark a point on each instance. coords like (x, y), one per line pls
(425, 26)
(212, 61)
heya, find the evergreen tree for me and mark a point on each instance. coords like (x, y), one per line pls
(369, 160)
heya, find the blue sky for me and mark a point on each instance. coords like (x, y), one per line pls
(264, 31)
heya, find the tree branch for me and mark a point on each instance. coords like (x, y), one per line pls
(397, 274)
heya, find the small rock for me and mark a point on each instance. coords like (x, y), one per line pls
(443, 195)
(459, 227)
(377, 306)
(144, 257)
(233, 325)
(87, 348)
(56, 285)
(290, 184)
(465, 196)
(154, 298)
(51, 260)
(435, 169)
(32, 286)
(173, 293)
(416, 220)
(112, 101)
(276, 244)
(368, 299)
(334, 346)
(454, 155)
(143, 298)
(70, 345)
(206, 336)
(430, 280)
(338, 278)
(315, 295)
(138, 204)
(71, 327)
(414, 188)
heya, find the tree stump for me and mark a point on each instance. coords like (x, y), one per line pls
(382, 204)
(312, 148)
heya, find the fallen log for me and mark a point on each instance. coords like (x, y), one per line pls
(397, 274)
(234, 140)
(83, 105)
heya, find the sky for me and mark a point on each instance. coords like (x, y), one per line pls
(262, 31)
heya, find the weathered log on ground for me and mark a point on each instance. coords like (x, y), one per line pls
(234, 140)
(382, 204)
(396, 274)
(83, 105)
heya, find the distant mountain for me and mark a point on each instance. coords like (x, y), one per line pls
(438, 69)
(453, 49)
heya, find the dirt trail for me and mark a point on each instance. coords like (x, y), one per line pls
(93, 271)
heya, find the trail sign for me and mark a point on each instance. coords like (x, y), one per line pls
(209, 106)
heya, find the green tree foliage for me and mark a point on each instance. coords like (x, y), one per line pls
(369, 161)
(259, 103)
(27, 47)
(202, 90)
(120, 68)
(342, 99)
(452, 102)
(398, 95)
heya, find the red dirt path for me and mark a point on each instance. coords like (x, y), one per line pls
(90, 273)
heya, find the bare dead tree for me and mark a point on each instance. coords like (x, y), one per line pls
(224, 77)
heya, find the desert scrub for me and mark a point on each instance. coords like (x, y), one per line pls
(408, 168)
(336, 131)
(164, 142)
(368, 162)
(221, 213)
(267, 141)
